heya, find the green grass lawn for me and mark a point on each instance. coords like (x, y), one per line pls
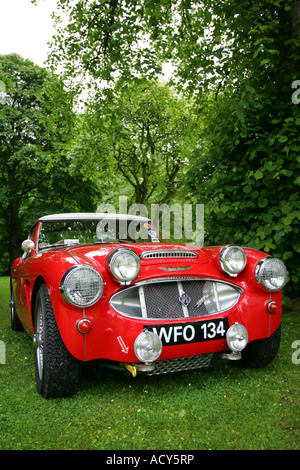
(220, 408)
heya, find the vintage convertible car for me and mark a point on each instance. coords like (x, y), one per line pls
(106, 287)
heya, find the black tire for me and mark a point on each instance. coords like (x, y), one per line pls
(57, 371)
(261, 352)
(15, 323)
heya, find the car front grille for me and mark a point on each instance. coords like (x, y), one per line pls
(176, 299)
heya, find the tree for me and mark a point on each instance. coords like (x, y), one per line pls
(143, 133)
(251, 163)
(239, 60)
(36, 120)
(99, 38)
(208, 42)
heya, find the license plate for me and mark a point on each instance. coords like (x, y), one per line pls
(185, 333)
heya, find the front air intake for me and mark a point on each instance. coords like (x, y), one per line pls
(176, 299)
(157, 254)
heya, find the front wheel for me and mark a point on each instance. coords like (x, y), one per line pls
(261, 352)
(57, 371)
(15, 323)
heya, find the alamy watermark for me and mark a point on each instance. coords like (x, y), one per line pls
(2, 353)
(182, 223)
(3, 94)
(296, 354)
(296, 94)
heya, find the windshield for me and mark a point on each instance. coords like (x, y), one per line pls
(82, 232)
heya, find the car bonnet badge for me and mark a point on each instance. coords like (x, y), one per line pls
(184, 299)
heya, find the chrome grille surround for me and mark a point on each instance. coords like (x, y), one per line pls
(176, 298)
(157, 254)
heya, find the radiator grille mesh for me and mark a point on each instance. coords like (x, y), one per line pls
(176, 299)
(162, 300)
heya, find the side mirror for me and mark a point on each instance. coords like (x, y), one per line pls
(27, 245)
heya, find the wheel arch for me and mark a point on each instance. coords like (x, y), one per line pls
(38, 282)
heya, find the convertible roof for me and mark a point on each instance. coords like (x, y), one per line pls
(91, 216)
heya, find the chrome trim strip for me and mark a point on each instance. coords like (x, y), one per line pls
(142, 302)
(184, 307)
(186, 278)
(183, 268)
(216, 296)
(84, 340)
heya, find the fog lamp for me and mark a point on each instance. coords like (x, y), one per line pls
(148, 346)
(237, 337)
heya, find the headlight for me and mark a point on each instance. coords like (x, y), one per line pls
(232, 260)
(237, 337)
(271, 274)
(124, 264)
(81, 286)
(148, 346)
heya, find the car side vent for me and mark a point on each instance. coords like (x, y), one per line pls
(168, 254)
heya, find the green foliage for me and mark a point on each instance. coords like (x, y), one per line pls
(105, 37)
(251, 194)
(141, 133)
(251, 167)
(238, 60)
(36, 120)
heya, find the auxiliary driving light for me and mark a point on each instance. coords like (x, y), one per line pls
(232, 260)
(237, 337)
(148, 346)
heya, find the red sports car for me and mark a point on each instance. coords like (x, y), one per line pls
(106, 287)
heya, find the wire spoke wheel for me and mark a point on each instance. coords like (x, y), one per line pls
(39, 342)
(57, 371)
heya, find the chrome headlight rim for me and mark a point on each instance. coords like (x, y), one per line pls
(115, 271)
(224, 262)
(65, 288)
(266, 282)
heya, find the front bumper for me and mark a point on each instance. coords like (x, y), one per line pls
(112, 335)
